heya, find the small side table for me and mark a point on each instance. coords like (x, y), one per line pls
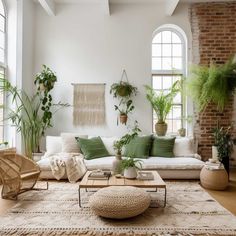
(213, 178)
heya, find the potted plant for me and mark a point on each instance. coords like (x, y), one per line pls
(130, 166)
(162, 103)
(182, 130)
(123, 89)
(119, 144)
(32, 114)
(125, 110)
(223, 143)
(45, 80)
(215, 84)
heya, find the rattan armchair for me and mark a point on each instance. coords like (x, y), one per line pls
(18, 174)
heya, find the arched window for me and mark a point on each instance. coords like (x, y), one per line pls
(2, 61)
(168, 65)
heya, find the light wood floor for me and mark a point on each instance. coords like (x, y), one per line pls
(226, 198)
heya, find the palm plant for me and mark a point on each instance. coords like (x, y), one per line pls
(162, 103)
(28, 115)
(214, 84)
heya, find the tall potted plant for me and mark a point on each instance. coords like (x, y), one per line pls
(224, 144)
(162, 103)
(32, 114)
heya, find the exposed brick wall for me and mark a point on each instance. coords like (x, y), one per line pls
(214, 39)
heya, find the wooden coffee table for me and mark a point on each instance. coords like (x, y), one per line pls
(156, 183)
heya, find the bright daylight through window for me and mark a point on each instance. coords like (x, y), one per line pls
(168, 65)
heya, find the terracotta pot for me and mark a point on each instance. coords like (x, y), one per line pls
(130, 173)
(123, 119)
(161, 129)
(182, 132)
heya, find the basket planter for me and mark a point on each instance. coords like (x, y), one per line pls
(161, 129)
(182, 132)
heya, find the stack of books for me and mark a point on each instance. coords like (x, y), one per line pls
(144, 175)
(99, 175)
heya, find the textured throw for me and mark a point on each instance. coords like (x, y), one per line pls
(189, 211)
(89, 104)
(70, 164)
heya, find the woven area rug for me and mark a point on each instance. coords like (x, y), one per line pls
(189, 211)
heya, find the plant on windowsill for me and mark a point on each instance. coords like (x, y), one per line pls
(32, 114)
(162, 103)
(215, 84)
(119, 144)
(223, 145)
(130, 167)
(182, 130)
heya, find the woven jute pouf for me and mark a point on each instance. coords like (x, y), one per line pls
(119, 202)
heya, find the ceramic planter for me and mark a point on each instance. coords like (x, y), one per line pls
(215, 153)
(130, 173)
(161, 129)
(116, 165)
(123, 119)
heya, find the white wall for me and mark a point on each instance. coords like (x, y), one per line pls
(82, 44)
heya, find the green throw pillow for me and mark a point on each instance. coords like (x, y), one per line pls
(92, 148)
(163, 147)
(139, 147)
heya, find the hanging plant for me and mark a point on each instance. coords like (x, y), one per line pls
(215, 84)
(123, 89)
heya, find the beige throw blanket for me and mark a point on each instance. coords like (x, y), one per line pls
(68, 163)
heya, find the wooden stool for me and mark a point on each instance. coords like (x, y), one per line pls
(214, 179)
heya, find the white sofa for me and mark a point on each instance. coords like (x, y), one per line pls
(184, 165)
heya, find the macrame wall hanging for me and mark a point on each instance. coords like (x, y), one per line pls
(89, 105)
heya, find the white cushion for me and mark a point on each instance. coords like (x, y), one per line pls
(108, 142)
(69, 143)
(53, 145)
(182, 163)
(184, 147)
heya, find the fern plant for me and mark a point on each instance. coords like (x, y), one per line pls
(215, 84)
(162, 102)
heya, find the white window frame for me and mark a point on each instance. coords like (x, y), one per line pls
(4, 65)
(180, 33)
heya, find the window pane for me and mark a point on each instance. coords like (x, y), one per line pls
(167, 82)
(1, 55)
(166, 36)
(177, 63)
(156, 63)
(166, 50)
(2, 23)
(157, 38)
(176, 125)
(156, 50)
(177, 50)
(177, 98)
(175, 38)
(157, 82)
(1, 8)
(166, 63)
(2, 40)
(169, 126)
(176, 112)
